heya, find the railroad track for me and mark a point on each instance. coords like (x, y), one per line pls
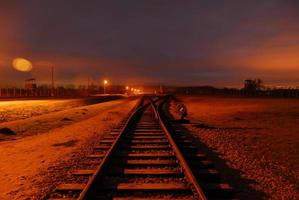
(142, 160)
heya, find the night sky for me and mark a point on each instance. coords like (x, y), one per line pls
(174, 42)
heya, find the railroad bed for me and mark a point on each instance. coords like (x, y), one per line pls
(143, 160)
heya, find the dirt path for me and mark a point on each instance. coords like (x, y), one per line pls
(26, 161)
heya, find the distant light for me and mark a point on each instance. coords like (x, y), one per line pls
(21, 64)
(132, 89)
(105, 82)
(127, 87)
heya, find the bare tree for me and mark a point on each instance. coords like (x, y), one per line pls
(253, 84)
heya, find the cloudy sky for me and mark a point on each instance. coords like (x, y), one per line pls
(175, 42)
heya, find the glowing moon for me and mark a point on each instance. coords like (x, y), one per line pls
(22, 65)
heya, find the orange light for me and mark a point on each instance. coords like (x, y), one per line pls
(127, 87)
(22, 65)
(105, 82)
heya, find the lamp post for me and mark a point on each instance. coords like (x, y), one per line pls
(105, 83)
(127, 90)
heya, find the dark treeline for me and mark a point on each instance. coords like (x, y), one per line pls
(267, 92)
(252, 88)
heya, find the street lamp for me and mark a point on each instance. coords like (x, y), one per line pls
(127, 90)
(105, 83)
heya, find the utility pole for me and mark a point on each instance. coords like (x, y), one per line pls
(105, 82)
(161, 89)
(88, 86)
(52, 87)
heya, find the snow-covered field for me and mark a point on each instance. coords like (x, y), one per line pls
(31, 166)
(13, 110)
(22, 109)
(254, 142)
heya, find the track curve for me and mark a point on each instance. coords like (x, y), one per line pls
(145, 160)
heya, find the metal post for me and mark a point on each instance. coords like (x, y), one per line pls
(88, 90)
(52, 73)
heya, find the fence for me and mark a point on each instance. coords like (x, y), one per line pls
(60, 91)
(41, 92)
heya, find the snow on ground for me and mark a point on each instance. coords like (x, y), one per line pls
(13, 110)
(22, 109)
(67, 112)
(52, 139)
(254, 142)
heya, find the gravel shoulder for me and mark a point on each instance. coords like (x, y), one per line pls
(29, 166)
(254, 142)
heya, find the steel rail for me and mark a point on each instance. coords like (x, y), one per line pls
(186, 169)
(99, 169)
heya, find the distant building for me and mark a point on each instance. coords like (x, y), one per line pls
(30, 83)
